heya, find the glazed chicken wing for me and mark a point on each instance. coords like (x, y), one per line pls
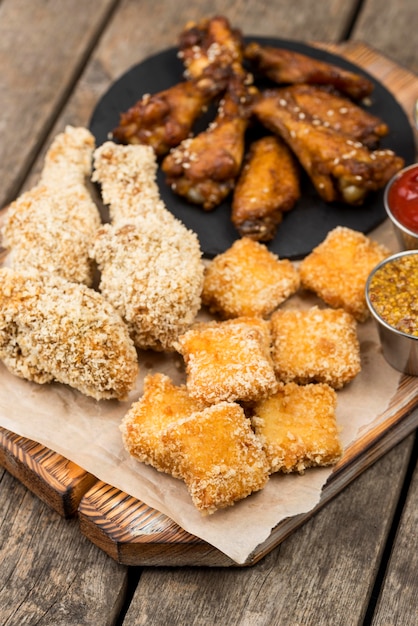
(268, 185)
(210, 48)
(204, 168)
(286, 66)
(329, 108)
(164, 119)
(340, 168)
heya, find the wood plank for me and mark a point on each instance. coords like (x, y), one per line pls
(323, 574)
(33, 89)
(55, 480)
(398, 603)
(49, 574)
(392, 29)
(134, 534)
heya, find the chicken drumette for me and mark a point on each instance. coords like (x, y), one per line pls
(267, 187)
(162, 120)
(210, 47)
(204, 168)
(286, 66)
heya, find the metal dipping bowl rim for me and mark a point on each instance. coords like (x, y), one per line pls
(397, 223)
(375, 314)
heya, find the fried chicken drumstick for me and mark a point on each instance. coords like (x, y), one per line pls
(268, 186)
(286, 66)
(340, 168)
(204, 168)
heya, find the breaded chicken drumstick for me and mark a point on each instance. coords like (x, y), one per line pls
(55, 330)
(150, 263)
(51, 226)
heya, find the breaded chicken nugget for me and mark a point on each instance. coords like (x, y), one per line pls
(248, 280)
(152, 273)
(228, 360)
(298, 427)
(337, 269)
(161, 404)
(315, 345)
(50, 227)
(217, 455)
(55, 330)
(128, 180)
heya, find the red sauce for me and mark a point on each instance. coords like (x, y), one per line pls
(403, 199)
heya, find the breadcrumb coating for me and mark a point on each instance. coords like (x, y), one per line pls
(68, 160)
(315, 345)
(248, 280)
(128, 180)
(298, 427)
(50, 227)
(217, 455)
(161, 404)
(55, 330)
(338, 268)
(152, 273)
(228, 361)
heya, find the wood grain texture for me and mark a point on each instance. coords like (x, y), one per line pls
(134, 534)
(391, 29)
(398, 602)
(49, 574)
(301, 581)
(55, 480)
(32, 88)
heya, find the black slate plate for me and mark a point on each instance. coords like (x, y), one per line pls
(309, 222)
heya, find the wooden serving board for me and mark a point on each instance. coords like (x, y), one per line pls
(133, 533)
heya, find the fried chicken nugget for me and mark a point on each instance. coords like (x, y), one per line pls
(268, 186)
(55, 330)
(248, 280)
(217, 455)
(298, 427)
(315, 346)
(50, 227)
(161, 404)
(287, 66)
(228, 361)
(337, 269)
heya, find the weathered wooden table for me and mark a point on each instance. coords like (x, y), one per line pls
(356, 560)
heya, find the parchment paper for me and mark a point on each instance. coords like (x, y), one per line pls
(87, 432)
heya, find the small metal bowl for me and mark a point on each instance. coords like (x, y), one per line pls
(400, 349)
(407, 239)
